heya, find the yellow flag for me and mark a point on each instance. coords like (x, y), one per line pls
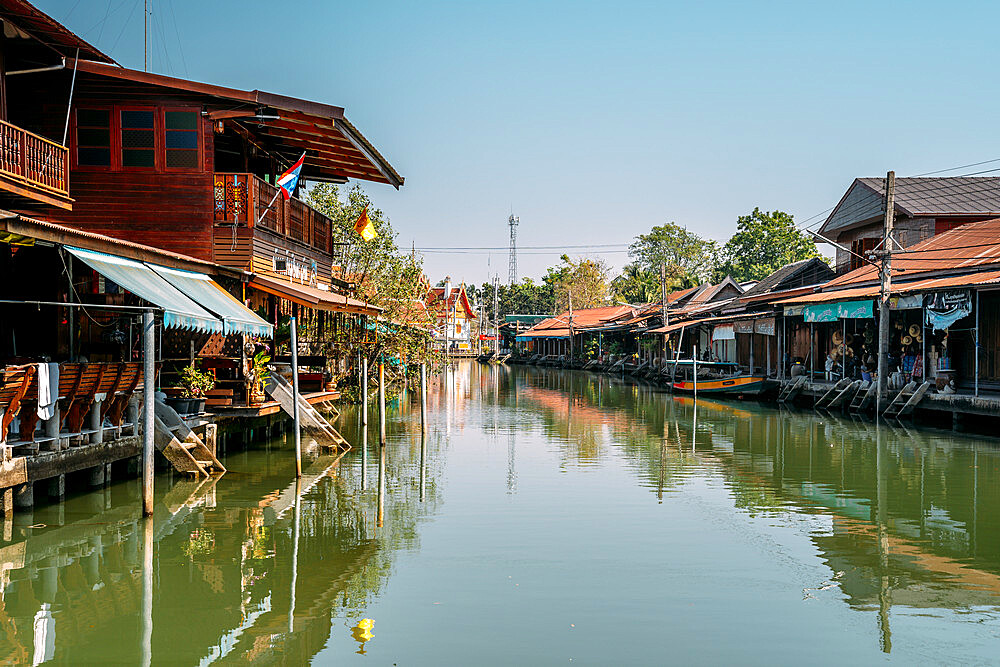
(364, 226)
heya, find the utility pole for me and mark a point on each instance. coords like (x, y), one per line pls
(663, 299)
(145, 35)
(570, 294)
(886, 289)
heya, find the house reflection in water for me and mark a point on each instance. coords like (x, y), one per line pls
(913, 515)
(243, 572)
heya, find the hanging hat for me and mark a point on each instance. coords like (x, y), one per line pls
(850, 338)
(914, 330)
(837, 338)
(907, 340)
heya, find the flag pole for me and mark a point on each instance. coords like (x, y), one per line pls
(294, 170)
(269, 205)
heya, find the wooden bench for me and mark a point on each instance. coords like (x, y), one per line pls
(14, 383)
(70, 376)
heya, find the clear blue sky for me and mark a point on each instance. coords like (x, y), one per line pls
(595, 121)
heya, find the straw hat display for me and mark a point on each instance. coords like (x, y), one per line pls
(915, 330)
(907, 340)
(837, 338)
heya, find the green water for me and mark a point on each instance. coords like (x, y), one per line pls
(549, 517)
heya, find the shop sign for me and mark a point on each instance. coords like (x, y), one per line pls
(906, 302)
(844, 310)
(723, 332)
(743, 326)
(791, 311)
(764, 326)
(945, 308)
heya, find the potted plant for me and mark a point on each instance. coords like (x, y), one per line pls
(258, 373)
(196, 385)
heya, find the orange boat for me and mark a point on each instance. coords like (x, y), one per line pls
(747, 385)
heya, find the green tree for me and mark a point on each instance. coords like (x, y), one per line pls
(688, 258)
(586, 279)
(524, 298)
(764, 242)
(637, 285)
(380, 273)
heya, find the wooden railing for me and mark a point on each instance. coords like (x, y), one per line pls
(243, 199)
(33, 160)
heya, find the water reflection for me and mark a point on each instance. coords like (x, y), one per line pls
(913, 514)
(246, 571)
(259, 567)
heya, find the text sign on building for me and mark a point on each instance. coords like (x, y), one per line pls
(302, 271)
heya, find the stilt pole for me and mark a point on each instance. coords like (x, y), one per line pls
(381, 403)
(423, 398)
(293, 332)
(364, 392)
(149, 378)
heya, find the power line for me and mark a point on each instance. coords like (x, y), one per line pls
(964, 166)
(527, 247)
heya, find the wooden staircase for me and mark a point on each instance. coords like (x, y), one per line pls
(864, 397)
(182, 447)
(791, 389)
(831, 393)
(907, 399)
(842, 397)
(312, 421)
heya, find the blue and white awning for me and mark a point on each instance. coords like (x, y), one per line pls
(189, 300)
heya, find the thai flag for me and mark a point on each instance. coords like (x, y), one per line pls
(288, 180)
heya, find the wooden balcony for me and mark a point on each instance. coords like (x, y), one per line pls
(33, 168)
(242, 199)
(251, 236)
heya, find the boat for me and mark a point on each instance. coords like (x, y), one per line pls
(746, 385)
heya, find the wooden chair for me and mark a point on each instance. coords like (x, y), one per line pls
(111, 383)
(14, 383)
(91, 376)
(131, 377)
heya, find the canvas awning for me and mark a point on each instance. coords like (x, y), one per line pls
(312, 297)
(189, 300)
(237, 318)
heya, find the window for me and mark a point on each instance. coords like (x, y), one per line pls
(138, 138)
(181, 130)
(93, 137)
(861, 247)
(128, 138)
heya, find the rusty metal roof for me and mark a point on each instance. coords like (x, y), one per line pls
(966, 280)
(967, 248)
(39, 25)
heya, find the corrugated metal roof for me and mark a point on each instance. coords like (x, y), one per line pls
(926, 284)
(944, 196)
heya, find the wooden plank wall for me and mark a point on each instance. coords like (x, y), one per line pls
(168, 210)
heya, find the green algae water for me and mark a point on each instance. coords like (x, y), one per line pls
(549, 517)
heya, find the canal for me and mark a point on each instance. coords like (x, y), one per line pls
(548, 517)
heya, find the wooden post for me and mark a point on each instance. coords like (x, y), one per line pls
(147, 590)
(886, 290)
(381, 403)
(694, 368)
(423, 397)
(781, 350)
(364, 392)
(149, 374)
(977, 348)
(292, 330)
(812, 351)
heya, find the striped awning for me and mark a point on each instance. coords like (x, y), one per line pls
(189, 300)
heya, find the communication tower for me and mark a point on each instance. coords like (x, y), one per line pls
(512, 223)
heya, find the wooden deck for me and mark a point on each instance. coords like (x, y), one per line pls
(268, 407)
